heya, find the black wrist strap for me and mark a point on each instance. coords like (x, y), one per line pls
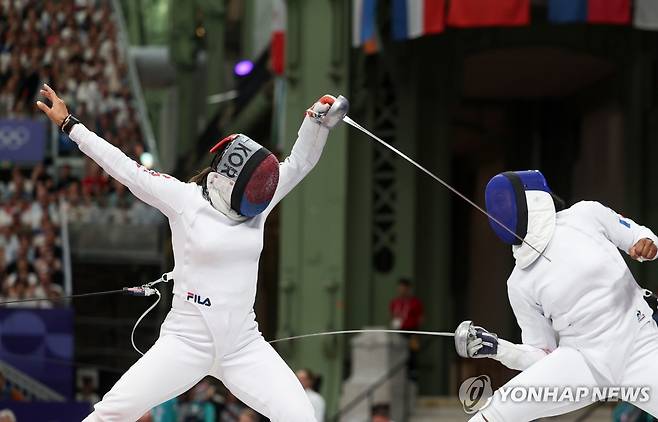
(68, 123)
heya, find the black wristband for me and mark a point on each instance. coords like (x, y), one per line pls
(68, 123)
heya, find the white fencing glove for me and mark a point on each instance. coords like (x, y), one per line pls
(472, 341)
(328, 110)
(475, 342)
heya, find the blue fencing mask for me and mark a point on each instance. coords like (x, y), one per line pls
(506, 198)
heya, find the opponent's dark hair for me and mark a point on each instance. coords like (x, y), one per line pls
(200, 177)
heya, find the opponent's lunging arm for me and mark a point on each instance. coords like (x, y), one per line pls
(537, 335)
(159, 190)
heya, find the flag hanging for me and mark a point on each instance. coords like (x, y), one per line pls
(646, 15)
(415, 18)
(617, 12)
(278, 46)
(364, 25)
(475, 13)
(567, 11)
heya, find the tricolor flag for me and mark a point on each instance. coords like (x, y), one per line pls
(476, 13)
(567, 11)
(278, 46)
(364, 25)
(646, 15)
(616, 12)
(415, 18)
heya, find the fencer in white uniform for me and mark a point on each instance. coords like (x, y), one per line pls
(217, 229)
(583, 316)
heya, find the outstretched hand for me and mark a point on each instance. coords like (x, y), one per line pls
(329, 110)
(644, 249)
(58, 112)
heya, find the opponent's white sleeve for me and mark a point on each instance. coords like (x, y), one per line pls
(537, 335)
(621, 231)
(517, 356)
(162, 191)
(305, 154)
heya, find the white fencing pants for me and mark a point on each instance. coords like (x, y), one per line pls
(567, 367)
(184, 354)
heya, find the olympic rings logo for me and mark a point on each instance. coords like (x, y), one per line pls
(13, 138)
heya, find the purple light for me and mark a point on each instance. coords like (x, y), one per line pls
(243, 67)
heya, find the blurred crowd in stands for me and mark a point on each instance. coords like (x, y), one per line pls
(209, 401)
(73, 47)
(30, 241)
(31, 207)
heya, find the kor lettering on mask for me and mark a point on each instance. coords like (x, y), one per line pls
(234, 160)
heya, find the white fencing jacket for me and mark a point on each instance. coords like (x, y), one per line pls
(586, 296)
(216, 258)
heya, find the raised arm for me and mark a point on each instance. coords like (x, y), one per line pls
(306, 152)
(636, 240)
(159, 190)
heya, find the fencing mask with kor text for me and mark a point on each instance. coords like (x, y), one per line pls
(244, 177)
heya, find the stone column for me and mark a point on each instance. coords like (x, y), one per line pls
(374, 355)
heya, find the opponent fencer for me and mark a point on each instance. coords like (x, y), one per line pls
(583, 317)
(217, 221)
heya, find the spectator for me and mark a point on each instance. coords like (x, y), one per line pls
(9, 241)
(95, 181)
(249, 415)
(47, 239)
(46, 289)
(47, 261)
(407, 314)
(42, 207)
(19, 187)
(21, 272)
(7, 392)
(20, 290)
(41, 177)
(23, 249)
(7, 415)
(165, 412)
(232, 409)
(193, 406)
(381, 413)
(119, 204)
(406, 309)
(88, 392)
(65, 177)
(307, 379)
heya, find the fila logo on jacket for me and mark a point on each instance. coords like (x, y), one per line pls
(198, 299)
